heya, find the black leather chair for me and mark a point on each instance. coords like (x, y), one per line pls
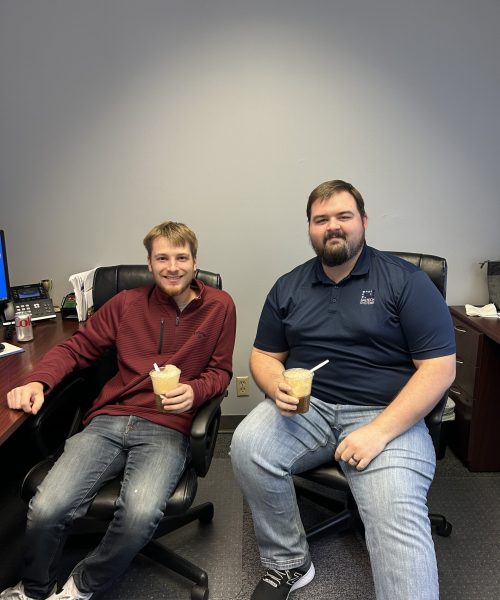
(329, 477)
(64, 410)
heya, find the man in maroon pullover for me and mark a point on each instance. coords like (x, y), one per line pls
(178, 320)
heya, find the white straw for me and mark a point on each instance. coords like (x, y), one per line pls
(157, 368)
(322, 364)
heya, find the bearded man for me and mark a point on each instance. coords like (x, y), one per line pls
(388, 335)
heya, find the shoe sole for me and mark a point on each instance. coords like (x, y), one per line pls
(305, 579)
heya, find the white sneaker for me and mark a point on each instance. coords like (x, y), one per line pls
(70, 592)
(15, 593)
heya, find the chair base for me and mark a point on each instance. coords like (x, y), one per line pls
(92, 531)
(347, 516)
(173, 561)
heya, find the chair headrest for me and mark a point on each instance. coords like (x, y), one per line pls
(435, 266)
(108, 281)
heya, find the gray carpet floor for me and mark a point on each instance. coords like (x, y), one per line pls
(468, 560)
(219, 554)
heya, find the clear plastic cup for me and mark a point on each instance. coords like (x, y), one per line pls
(164, 380)
(300, 380)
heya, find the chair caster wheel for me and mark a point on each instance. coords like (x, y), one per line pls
(199, 592)
(207, 515)
(440, 525)
(444, 530)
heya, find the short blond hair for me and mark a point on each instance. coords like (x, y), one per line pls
(177, 234)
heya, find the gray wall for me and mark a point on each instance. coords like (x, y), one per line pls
(224, 114)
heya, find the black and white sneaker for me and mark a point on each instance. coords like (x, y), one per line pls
(277, 585)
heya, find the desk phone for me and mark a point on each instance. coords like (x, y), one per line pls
(33, 299)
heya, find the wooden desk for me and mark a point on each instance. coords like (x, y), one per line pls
(476, 391)
(15, 367)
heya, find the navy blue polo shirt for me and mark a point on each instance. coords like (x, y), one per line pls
(371, 325)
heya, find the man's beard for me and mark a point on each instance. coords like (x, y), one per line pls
(334, 256)
(176, 290)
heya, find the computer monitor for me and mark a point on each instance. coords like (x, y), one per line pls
(4, 272)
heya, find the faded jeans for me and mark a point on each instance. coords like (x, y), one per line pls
(391, 493)
(151, 457)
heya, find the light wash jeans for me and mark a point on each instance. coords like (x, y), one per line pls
(151, 457)
(391, 493)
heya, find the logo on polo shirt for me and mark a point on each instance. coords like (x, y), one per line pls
(367, 297)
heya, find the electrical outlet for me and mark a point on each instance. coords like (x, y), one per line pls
(242, 386)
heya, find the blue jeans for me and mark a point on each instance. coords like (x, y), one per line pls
(391, 493)
(151, 458)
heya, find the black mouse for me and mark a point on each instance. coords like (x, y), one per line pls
(2, 347)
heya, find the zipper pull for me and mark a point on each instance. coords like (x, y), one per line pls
(160, 342)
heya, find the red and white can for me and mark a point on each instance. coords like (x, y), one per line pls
(24, 328)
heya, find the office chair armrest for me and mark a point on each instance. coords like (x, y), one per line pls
(61, 414)
(203, 435)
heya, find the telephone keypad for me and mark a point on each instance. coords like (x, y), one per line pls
(38, 309)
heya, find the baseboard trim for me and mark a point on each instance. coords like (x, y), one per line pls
(228, 423)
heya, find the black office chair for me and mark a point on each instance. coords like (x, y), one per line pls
(64, 410)
(330, 476)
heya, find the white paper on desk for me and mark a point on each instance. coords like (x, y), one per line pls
(489, 310)
(10, 349)
(83, 286)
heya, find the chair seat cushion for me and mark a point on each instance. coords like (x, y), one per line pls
(329, 474)
(103, 504)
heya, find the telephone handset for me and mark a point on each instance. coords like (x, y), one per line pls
(31, 298)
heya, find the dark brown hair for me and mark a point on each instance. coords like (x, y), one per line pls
(326, 190)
